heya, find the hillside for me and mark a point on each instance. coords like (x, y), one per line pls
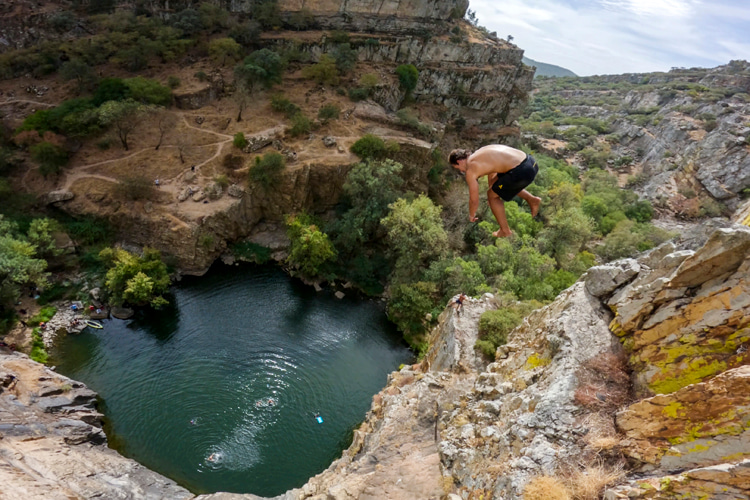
(679, 139)
(544, 69)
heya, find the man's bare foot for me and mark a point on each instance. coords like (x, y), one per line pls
(534, 204)
(502, 234)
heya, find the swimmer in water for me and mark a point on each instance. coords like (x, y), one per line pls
(213, 457)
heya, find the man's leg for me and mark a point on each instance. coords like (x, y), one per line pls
(498, 210)
(532, 200)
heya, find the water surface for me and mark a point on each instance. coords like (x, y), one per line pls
(220, 390)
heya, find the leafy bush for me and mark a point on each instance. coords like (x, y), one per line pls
(494, 327)
(173, 82)
(328, 112)
(284, 105)
(357, 94)
(137, 280)
(267, 170)
(408, 307)
(369, 146)
(407, 77)
(239, 141)
(324, 71)
(310, 248)
(148, 91)
(301, 125)
(50, 157)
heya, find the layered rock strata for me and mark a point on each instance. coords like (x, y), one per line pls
(52, 445)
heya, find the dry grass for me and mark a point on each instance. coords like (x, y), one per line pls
(589, 483)
(604, 383)
(546, 488)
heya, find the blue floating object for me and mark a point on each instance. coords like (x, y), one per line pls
(319, 419)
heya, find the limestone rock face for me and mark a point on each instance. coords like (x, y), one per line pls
(685, 317)
(52, 444)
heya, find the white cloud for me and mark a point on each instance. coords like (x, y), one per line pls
(620, 36)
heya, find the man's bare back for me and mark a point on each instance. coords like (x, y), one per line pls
(494, 158)
(494, 161)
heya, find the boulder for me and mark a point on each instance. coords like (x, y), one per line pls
(122, 312)
(57, 197)
(235, 191)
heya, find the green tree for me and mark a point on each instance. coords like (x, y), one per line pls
(408, 75)
(408, 307)
(224, 51)
(148, 91)
(19, 264)
(494, 327)
(415, 236)
(77, 69)
(345, 57)
(260, 67)
(135, 280)
(110, 89)
(370, 187)
(301, 125)
(458, 276)
(310, 248)
(267, 170)
(124, 116)
(50, 157)
(324, 71)
(41, 235)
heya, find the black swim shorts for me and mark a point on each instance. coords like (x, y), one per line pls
(516, 179)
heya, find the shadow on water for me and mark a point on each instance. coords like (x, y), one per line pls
(161, 324)
(234, 369)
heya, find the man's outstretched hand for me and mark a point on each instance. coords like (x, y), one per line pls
(473, 219)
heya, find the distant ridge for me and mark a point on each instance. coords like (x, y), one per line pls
(544, 69)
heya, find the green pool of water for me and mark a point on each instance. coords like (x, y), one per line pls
(220, 390)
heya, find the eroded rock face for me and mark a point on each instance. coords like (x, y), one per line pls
(52, 444)
(685, 317)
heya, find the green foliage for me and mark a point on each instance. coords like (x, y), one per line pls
(239, 141)
(78, 70)
(89, 230)
(415, 236)
(263, 67)
(135, 280)
(358, 94)
(284, 105)
(328, 112)
(224, 51)
(339, 36)
(628, 238)
(369, 147)
(246, 34)
(310, 248)
(267, 170)
(494, 327)
(324, 71)
(110, 89)
(408, 75)
(19, 264)
(456, 276)
(40, 234)
(124, 116)
(408, 118)
(345, 57)
(148, 91)
(408, 307)
(50, 157)
(301, 125)
(370, 187)
(251, 251)
(173, 82)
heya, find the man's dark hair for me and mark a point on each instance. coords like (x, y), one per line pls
(458, 154)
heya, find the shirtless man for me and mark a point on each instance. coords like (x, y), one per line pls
(508, 171)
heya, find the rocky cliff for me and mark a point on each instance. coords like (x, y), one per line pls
(682, 136)
(634, 380)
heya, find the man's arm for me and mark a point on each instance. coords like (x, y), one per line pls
(471, 181)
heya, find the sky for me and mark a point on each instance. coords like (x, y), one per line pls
(603, 37)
